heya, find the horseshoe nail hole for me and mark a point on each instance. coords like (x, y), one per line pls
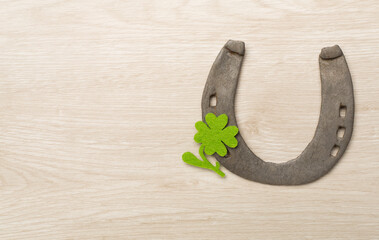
(341, 132)
(342, 111)
(213, 100)
(335, 151)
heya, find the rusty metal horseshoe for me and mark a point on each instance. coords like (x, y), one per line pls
(327, 145)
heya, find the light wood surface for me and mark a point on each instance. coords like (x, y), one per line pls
(98, 101)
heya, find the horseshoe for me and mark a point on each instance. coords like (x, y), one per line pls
(319, 157)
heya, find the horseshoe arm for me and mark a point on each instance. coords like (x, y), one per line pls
(317, 159)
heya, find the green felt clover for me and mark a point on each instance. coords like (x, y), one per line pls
(213, 137)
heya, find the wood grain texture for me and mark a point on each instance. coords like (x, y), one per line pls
(98, 101)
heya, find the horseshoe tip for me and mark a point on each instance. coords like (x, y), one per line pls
(331, 52)
(236, 47)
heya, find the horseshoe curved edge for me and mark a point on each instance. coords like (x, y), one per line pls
(327, 145)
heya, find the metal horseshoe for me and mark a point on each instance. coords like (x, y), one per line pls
(319, 157)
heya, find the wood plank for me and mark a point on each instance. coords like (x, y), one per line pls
(98, 101)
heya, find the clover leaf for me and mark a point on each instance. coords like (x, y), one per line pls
(213, 136)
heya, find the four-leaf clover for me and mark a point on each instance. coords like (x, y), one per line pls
(213, 137)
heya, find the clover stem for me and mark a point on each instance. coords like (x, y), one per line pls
(208, 164)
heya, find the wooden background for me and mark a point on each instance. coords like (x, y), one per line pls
(98, 101)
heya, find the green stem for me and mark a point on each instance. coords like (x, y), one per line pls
(209, 165)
